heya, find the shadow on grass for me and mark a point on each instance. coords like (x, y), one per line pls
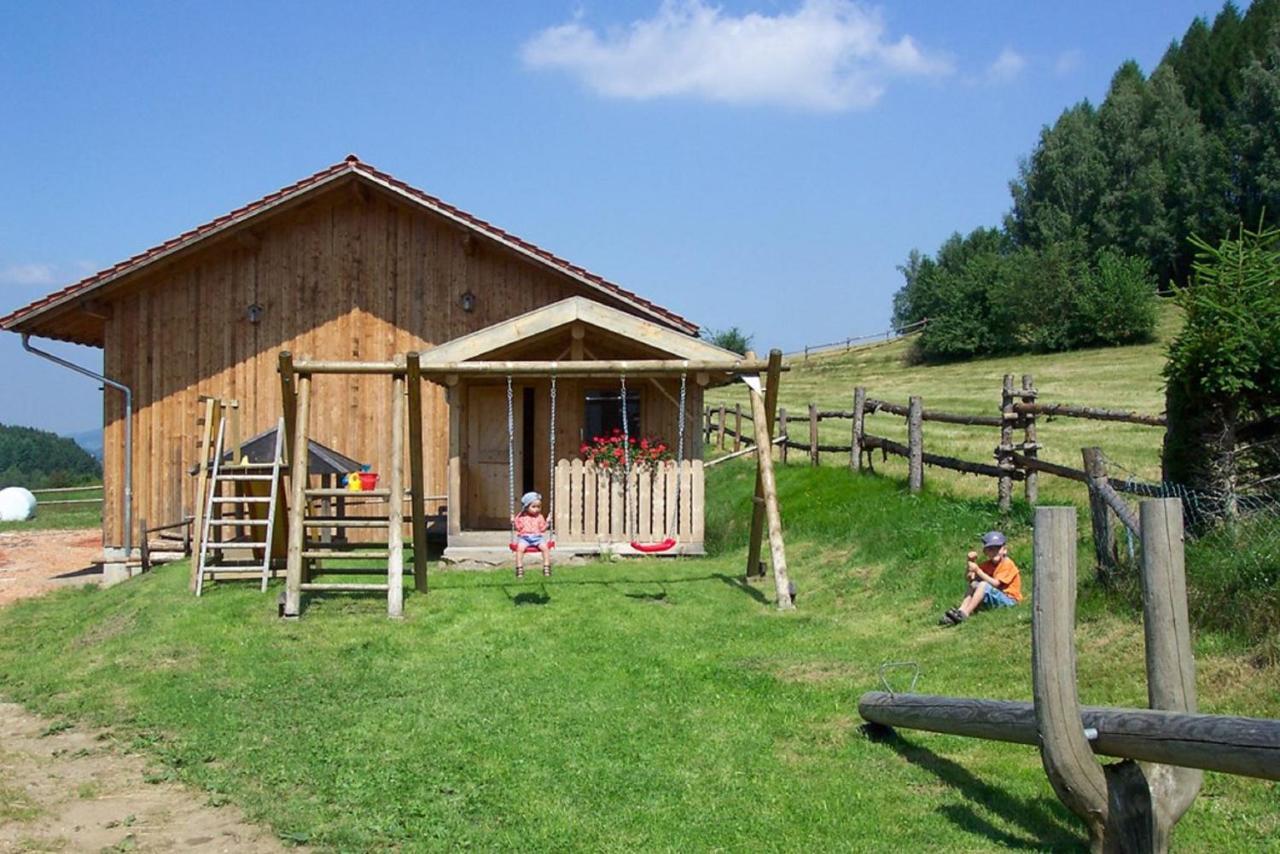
(739, 584)
(735, 583)
(531, 598)
(1043, 819)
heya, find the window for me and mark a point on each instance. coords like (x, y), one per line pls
(604, 413)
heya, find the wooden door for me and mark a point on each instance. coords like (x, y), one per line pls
(485, 476)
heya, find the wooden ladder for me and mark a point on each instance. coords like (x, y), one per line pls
(212, 560)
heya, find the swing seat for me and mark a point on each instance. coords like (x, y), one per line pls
(551, 544)
(650, 548)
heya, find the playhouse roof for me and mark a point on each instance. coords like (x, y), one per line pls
(26, 319)
(566, 313)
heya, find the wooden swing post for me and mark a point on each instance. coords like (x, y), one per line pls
(769, 487)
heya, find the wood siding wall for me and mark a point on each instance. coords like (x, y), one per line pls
(348, 276)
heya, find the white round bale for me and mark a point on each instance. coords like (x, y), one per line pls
(17, 504)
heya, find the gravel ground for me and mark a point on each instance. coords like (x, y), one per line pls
(35, 562)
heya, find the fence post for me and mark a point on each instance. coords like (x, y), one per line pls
(1171, 668)
(855, 446)
(1007, 417)
(1030, 446)
(1075, 775)
(1104, 535)
(813, 435)
(915, 443)
(706, 425)
(720, 428)
(145, 551)
(737, 426)
(784, 432)
(806, 352)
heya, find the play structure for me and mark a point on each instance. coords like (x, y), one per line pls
(1133, 805)
(632, 511)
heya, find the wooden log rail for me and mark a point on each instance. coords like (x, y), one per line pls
(1249, 747)
(898, 449)
(1093, 412)
(585, 368)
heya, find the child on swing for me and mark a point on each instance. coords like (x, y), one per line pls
(530, 528)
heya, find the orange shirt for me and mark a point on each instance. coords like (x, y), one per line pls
(1006, 572)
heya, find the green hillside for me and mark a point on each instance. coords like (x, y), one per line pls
(37, 459)
(1116, 377)
(650, 705)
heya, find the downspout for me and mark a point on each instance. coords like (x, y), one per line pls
(128, 431)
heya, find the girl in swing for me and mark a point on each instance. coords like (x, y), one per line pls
(530, 528)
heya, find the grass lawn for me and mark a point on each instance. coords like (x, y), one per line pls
(61, 516)
(652, 705)
(1116, 377)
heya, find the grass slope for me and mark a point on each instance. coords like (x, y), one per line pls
(1116, 377)
(655, 705)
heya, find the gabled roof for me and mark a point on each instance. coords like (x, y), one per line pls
(351, 166)
(561, 314)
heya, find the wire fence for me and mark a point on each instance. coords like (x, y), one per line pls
(861, 341)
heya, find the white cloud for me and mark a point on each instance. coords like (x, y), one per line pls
(28, 274)
(1067, 62)
(1008, 65)
(826, 55)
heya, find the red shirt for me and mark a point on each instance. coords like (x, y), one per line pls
(527, 523)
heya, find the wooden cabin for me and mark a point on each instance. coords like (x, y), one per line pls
(353, 264)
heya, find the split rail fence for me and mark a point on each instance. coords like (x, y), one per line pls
(1015, 459)
(1132, 805)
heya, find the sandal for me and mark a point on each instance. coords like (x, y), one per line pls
(519, 572)
(546, 572)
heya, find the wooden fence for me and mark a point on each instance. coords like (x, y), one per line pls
(1014, 460)
(596, 505)
(67, 502)
(1126, 806)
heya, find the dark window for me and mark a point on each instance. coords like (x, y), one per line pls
(530, 431)
(604, 413)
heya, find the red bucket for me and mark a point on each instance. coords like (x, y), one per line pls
(368, 480)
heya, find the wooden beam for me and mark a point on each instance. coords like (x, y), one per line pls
(764, 458)
(1064, 751)
(298, 502)
(417, 475)
(1249, 747)
(757, 507)
(395, 515)
(915, 445)
(212, 412)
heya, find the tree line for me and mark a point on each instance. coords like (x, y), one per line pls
(1108, 206)
(38, 459)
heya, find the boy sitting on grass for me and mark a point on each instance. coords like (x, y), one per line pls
(995, 583)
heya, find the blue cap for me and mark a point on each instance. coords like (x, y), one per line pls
(992, 538)
(528, 498)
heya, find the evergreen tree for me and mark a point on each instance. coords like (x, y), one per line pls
(1058, 189)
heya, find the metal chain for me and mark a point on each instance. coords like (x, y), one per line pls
(551, 483)
(511, 453)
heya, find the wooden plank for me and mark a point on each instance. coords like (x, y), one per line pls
(1031, 486)
(298, 502)
(454, 400)
(644, 501)
(590, 503)
(915, 445)
(395, 540)
(697, 506)
(1004, 486)
(859, 426)
(720, 428)
(211, 413)
(617, 504)
(764, 456)
(754, 566)
(1064, 751)
(563, 498)
(1249, 747)
(577, 528)
(814, 452)
(670, 517)
(685, 501)
(417, 477)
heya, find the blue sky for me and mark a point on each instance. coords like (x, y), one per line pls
(761, 164)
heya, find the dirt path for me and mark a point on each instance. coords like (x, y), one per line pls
(70, 790)
(35, 562)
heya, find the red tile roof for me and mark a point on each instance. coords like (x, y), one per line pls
(350, 165)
